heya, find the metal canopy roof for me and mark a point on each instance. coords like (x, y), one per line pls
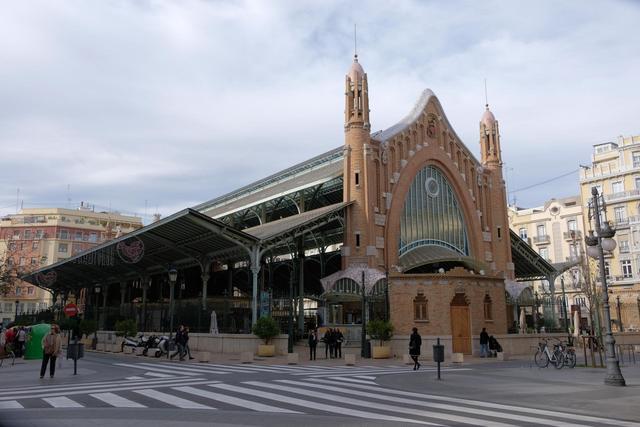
(184, 239)
(529, 265)
(429, 254)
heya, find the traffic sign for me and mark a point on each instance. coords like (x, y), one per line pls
(70, 309)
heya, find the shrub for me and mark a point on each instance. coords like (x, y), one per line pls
(87, 327)
(126, 327)
(380, 330)
(266, 328)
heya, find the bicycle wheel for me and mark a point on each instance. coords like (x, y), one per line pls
(558, 359)
(570, 359)
(541, 359)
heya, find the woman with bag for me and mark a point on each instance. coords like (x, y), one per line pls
(415, 341)
(51, 349)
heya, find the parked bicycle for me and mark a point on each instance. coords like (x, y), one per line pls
(568, 354)
(544, 356)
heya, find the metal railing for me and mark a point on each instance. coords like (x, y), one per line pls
(622, 195)
(571, 234)
(541, 239)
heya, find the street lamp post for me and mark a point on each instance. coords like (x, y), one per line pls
(564, 306)
(96, 291)
(17, 306)
(596, 246)
(620, 328)
(173, 276)
(363, 337)
(290, 322)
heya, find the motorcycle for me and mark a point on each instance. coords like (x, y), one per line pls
(139, 341)
(157, 345)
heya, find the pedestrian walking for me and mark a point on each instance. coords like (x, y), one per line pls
(484, 343)
(415, 342)
(179, 340)
(332, 343)
(313, 343)
(339, 340)
(326, 338)
(186, 342)
(51, 349)
(21, 339)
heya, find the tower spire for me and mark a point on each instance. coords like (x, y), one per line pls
(486, 98)
(355, 40)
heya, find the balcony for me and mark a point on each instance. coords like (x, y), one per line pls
(570, 235)
(622, 222)
(624, 249)
(542, 239)
(622, 195)
(622, 280)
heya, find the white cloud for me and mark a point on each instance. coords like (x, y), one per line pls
(176, 103)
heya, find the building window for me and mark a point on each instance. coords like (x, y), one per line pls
(637, 181)
(420, 308)
(8, 307)
(499, 233)
(10, 262)
(93, 237)
(39, 234)
(34, 245)
(624, 246)
(541, 230)
(544, 253)
(27, 234)
(620, 213)
(34, 261)
(16, 234)
(18, 290)
(617, 187)
(606, 269)
(23, 261)
(627, 272)
(78, 235)
(30, 290)
(488, 308)
(64, 234)
(572, 225)
(636, 159)
(357, 178)
(523, 233)
(357, 240)
(12, 246)
(63, 247)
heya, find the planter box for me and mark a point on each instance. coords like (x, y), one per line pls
(501, 356)
(350, 359)
(406, 359)
(381, 352)
(292, 358)
(203, 356)
(246, 357)
(265, 350)
(457, 357)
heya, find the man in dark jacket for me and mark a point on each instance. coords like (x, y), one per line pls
(180, 343)
(338, 345)
(484, 343)
(313, 343)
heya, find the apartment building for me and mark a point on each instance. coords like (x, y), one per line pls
(556, 231)
(615, 172)
(38, 237)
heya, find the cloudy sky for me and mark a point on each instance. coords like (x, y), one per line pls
(158, 105)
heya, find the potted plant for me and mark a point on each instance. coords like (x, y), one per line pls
(382, 331)
(266, 329)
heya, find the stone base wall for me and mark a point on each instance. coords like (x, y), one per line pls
(221, 343)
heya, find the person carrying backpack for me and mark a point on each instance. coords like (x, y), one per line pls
(51, 349)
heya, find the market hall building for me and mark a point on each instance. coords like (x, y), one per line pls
(406, 219)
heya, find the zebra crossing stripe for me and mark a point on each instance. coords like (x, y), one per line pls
(134, 378)
(317, 405)
(351, 380)
(62, 402)
(116, 401)
(152, 368)
(442, 406)
(249, 404)
(171, 399)
(571, 416)
(11, 404)
(175, 367)
(365, 377)
(381, 406)
(159, 375)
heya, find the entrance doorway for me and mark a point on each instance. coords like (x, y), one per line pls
(460, 325)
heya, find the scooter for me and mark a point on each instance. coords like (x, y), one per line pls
(156, 346)
(139, 341)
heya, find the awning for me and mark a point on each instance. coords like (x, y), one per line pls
(529, 265)
(185, 239)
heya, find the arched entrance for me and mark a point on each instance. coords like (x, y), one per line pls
(460, 325)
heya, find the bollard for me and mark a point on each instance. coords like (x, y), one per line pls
(438, 355)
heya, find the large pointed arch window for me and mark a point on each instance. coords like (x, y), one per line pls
(432, 215)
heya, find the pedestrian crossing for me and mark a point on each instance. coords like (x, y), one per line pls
(172, 369)
(350, 397)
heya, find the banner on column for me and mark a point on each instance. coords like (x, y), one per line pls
(265, 303)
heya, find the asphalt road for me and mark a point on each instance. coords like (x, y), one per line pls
(119, 390)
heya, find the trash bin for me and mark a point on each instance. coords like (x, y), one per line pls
(438, 353)
(367, 349)
(72, 348)
(33, 347)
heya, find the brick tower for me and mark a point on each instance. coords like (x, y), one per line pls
(358, 249)
(498, 224)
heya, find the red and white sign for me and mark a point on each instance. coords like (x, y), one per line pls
(70, 309)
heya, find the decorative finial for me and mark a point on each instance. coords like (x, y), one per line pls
(486, 98)
(355, 42)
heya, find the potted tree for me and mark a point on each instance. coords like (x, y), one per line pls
(266, 329)
(382, 331)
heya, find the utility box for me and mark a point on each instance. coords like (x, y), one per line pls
(438, 353)
(75, 351)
